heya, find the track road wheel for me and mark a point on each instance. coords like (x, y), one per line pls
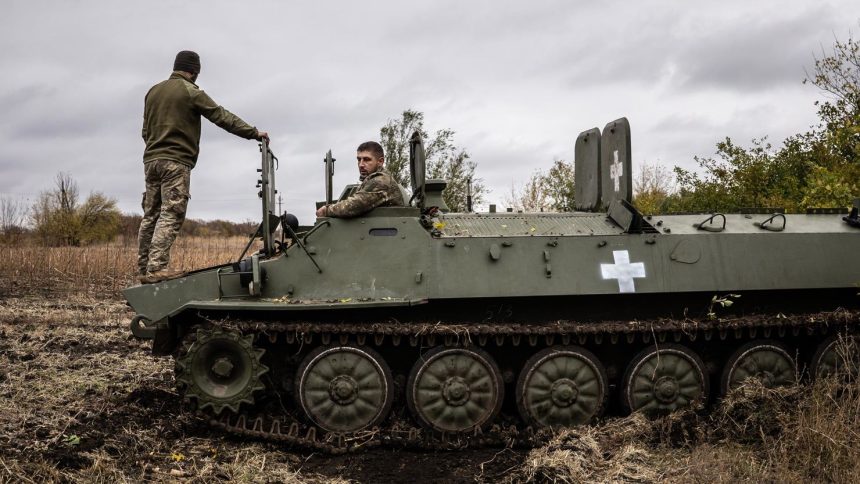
(664, 378)
(221, 369)
(344, 388)
(455, 390)
(766, 360)
(837, 355)
(561, 387)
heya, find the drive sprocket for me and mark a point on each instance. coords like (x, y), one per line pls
(220, 368)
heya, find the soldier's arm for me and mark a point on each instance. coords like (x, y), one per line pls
(220, 116)
(143, 130)
(370, 196)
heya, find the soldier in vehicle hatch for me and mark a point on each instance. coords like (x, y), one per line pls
(378, 188)
(171, 130)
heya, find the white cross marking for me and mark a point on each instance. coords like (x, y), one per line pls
(623, 270)
(616, 171)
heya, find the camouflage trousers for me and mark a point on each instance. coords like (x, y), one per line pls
(164, 204)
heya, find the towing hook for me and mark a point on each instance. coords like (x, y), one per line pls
(142, 327)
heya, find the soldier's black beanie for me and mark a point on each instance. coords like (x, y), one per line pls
(187, 61)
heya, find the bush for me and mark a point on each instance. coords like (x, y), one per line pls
(59, 219)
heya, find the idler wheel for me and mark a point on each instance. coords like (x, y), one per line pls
(344, 388)
(561, 387)
(455, 389)
(837, 355)
(765, 360)
(221, 369)
(664, 379)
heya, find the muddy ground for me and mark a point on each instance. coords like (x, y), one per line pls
(80, 399)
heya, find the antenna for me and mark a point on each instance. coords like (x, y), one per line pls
(329, 173)
(469, 194)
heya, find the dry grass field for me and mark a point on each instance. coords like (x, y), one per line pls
(83, 401)
(99, 270)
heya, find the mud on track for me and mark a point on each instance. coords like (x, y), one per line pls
(82, 400)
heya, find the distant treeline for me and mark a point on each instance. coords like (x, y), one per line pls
(59, 218)
(203, 228)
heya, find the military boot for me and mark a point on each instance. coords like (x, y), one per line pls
(162, 275)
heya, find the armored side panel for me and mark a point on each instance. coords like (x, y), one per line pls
(587, 170)
(616, 177)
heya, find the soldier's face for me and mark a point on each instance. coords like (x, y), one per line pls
(367, 163)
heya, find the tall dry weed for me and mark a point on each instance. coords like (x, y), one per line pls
(803, 433)
(617, 451)
(101, 269)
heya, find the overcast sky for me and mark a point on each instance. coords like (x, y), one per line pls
(517, 81)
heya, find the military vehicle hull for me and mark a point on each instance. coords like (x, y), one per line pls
(393, 328)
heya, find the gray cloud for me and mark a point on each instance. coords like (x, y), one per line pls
(517, 81)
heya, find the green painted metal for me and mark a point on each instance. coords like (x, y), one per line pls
(664, 378)
(344, 388)
(397, 271)
(455, 389)
(812, 252)
(561, 387)
(221, 369)
(616, 166)
(767, 361)
(587, 170)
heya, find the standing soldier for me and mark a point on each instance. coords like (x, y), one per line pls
(378, 188)
(171, 130)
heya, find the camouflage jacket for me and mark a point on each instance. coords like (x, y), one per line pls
(379, 189)
(171, 121)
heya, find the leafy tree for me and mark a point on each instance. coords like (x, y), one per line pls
(531, 197)
(444, 159)
(834, 147)
(741, 177)
(98, 218)
(13, 214)
(550, 191)
(818, 168)
(559, 186)
(60, 220)
(553, 190)
(652, 188)
(54, 212)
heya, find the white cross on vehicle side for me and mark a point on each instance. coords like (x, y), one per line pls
(616, 171)
(623, 270)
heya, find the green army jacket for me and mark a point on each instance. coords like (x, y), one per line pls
(171, 120)
(378, 189)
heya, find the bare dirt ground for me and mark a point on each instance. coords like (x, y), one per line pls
(81, 400)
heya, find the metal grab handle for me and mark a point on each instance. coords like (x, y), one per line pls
(710, 221)
(768, 224)
(322, 223)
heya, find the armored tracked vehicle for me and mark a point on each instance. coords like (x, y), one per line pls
(414, 324)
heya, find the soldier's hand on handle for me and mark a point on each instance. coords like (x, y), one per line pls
(262, 135)
(322, 211)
